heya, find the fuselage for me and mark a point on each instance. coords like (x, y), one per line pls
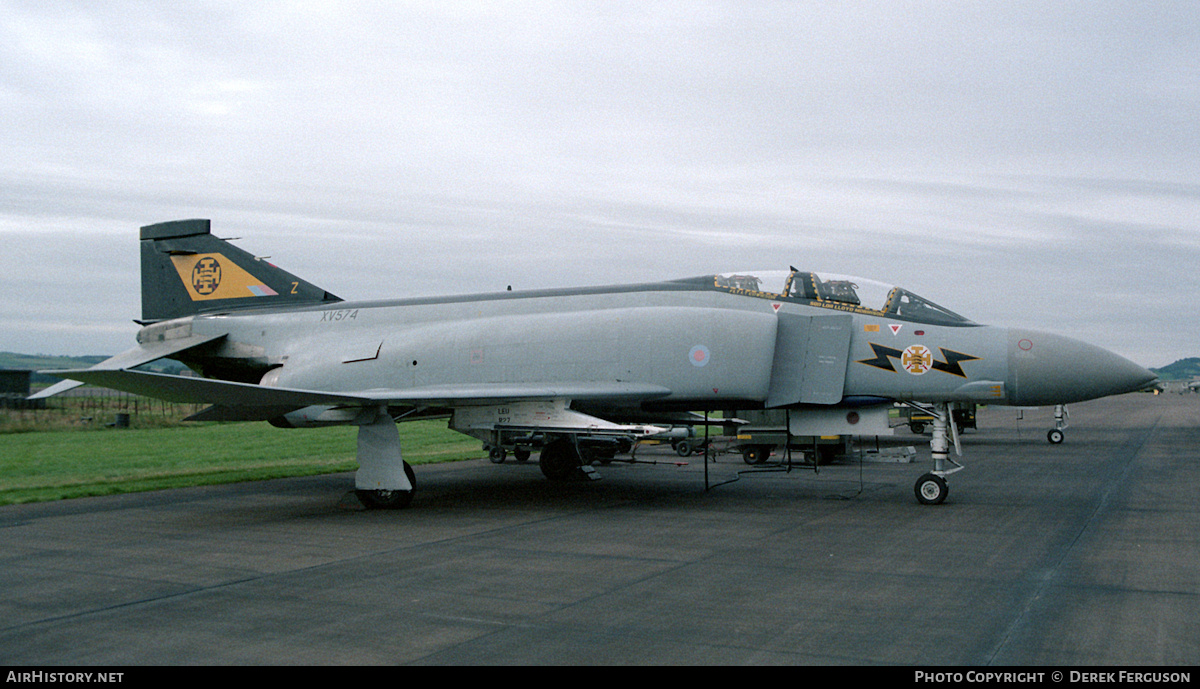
(711, 341)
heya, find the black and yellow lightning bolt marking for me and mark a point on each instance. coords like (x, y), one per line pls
(952, 361)
(951, 364)
(883, 357)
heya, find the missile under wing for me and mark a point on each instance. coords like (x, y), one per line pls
(576, 366)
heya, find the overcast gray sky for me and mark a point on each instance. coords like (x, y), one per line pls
(1023, 163)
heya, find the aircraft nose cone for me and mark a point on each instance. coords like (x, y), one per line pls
(1044, 369)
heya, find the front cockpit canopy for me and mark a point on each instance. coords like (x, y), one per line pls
(837, 291)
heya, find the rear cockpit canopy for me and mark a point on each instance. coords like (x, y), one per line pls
(840, 292)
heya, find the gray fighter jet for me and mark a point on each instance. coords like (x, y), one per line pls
(577, 367)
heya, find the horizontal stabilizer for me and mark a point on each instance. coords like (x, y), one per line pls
(131, 358)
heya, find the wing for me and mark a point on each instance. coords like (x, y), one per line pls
(247, 402)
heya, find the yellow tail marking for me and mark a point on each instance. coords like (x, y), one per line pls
(213, 276)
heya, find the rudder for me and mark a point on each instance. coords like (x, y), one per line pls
(186, 271)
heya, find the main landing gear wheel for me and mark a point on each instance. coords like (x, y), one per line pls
(560, 460)
(1055, 436)
(389, 499)
(931, 489)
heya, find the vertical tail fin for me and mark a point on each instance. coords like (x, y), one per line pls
(186, 270)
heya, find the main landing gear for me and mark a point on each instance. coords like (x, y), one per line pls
(383, 499)
(931, 488)
(561, 460)
(384, 480)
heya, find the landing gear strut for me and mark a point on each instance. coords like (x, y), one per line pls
(931, 488)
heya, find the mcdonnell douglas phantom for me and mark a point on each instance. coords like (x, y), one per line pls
(577, 366)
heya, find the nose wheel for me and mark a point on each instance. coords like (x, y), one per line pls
(931, 489)
(1055, 435)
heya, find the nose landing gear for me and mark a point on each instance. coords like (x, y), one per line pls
(1055, 435)
(931, 488)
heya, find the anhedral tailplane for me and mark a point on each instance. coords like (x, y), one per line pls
(186, 271)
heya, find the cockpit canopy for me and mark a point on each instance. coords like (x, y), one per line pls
(839, 292)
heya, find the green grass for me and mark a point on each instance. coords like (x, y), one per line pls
(69, 463)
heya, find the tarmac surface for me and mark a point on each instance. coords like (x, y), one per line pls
(1084, 553)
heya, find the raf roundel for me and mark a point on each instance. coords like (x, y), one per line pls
(699, 356)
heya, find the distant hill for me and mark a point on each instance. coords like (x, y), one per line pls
(37, 362)
(33, 362)
(1184, 369)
